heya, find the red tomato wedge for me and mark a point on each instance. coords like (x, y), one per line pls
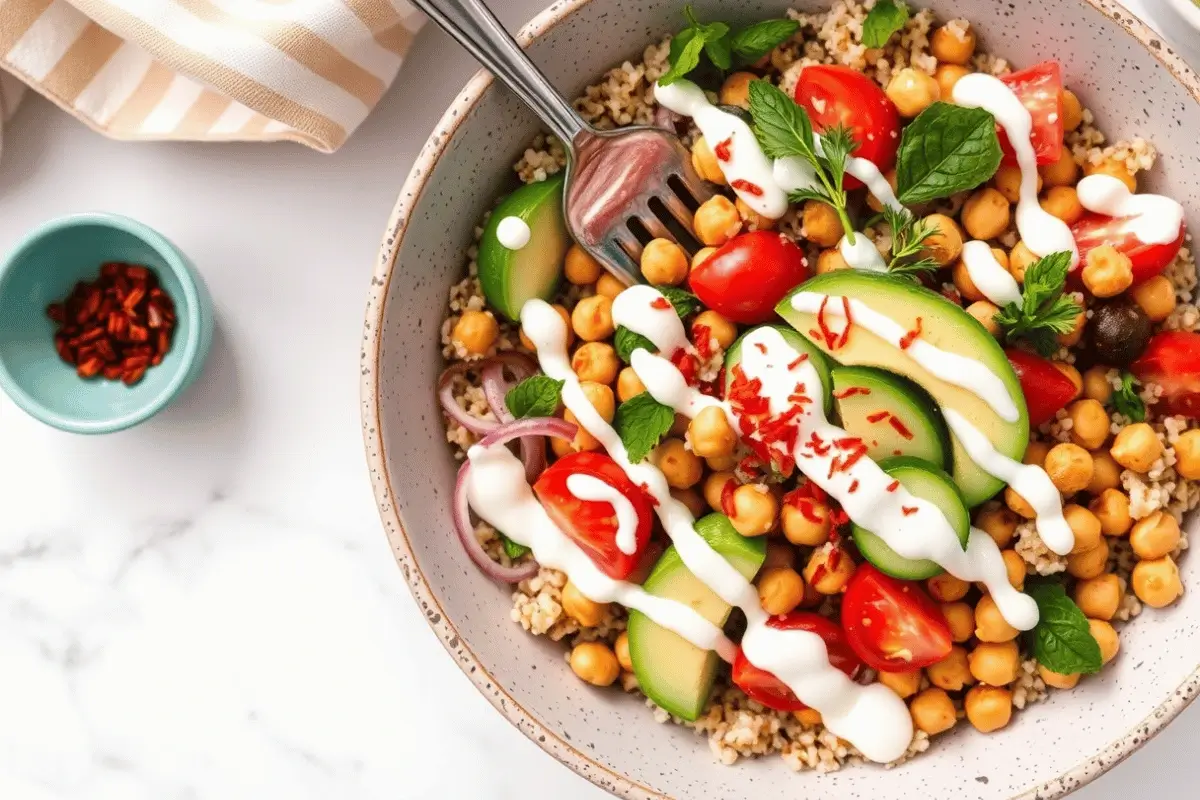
(748, 275)
(1040, 91)
(760, 685)
(592, 524)
(1093, 230)
(1046, 389)
(892, 624)
(1172, 360)
(835, 95)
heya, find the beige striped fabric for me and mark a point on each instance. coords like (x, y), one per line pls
(307, 71)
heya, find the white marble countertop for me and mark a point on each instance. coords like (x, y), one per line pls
(205, 606)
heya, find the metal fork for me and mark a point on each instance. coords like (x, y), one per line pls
(622, 187)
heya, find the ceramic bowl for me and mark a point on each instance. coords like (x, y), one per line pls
(42, 269)
(1136, 86)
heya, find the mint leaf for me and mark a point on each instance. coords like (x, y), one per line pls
(717, 45)
(642, 422)
(536, 396)
(1061, 641)
(1127, 401)
(626, 341)
(685, 302)
(511, 548)
(946, 149)
(781, 125)
(752, 43)
(882, 21)
(684, 57)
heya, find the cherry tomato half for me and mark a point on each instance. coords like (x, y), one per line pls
(748, 275)
(1046, 389)
(836, 95)
(592, 524)
(1040, 91)
(892, 624)
(1172, 360)
(1093, 230)
(760, 685)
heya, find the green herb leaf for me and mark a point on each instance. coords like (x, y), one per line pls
(511, 548)
(908, 243)
(946, 149)
(718, 47)
(685, 302)
(684, 57)
(642, 422)
(1061, 641)
(882, 21)
(1043, 312)
(752, 43)
(536, 396)
(626, 341)
(836, 146)
(780, 124)
(1127, 401)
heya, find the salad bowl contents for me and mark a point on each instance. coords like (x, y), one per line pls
(898, 444)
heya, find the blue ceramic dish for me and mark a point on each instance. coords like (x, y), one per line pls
(42, 269)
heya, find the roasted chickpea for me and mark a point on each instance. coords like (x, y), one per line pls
(1063, 202)
(710, 433)
(1106, 636)
(714, 489)
(664, 262)
(985, 313)
(986, 215)
(1008, 180)
(946, 243)
(1057, 679)
(704, 161)
(1107, 271)
(1072, 110)
(1111, 507)
(629, 384)
(1076, 335)
(596, 362)
(621, 649)
(990, 625)
(583, 610)
(1019, 260)
(476, 331)
(933, 711)
(692, 500)
(821, 225)
(995, 663)
(609, 285)
(989, 708)
(1187, 454)
(566, 318)
(838, 569)
(1136, 447)
(1015, 565)
(779, 554)
(952, 672)
(806, 522)
(1155, 536)
(1064, 172)
(960, 619)
(681, 467)
(755, 509)
(702, 255)
(1084, 525)
(1035, 453)
(946, 76)
(1156, 297)
(601, 398)
(735, 91)
(1069, 467)
(1018, 504)
(953, 43)
(946, 588)
(754, 220)
(722, 463)
(873, 201)
(912, 91)
(716, 221)
(592, 318)
(998, 522)
(1116, 169)
(594, 663)
(1096, 386)
(830, 260)
(1156, 583)
(1090, 563)
(1099, 597)
(720, 329)
(780, 590)
(1106, 473)
(964, 283)
(1089, 423)
(580, 268)
(904, 684)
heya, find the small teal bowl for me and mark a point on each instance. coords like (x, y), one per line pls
(43, 269)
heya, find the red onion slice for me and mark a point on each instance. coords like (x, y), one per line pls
(453, 410)
(496, 386)
(533, 426)
(475, 551)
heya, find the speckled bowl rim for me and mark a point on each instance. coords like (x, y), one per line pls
(527, 723)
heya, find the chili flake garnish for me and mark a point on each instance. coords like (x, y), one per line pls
(853, 486)
(702, 338)
(900, 427)
(817, 445)
(645, 487)
(685, 362)
(800, 359)
(743, 185)
(893, 486)
(850, 391)
(849, 321)
(762, 348)
(878, 416)
(909, 510)
(660, 303)
(724, 149)
(907, 340)
(727, 505)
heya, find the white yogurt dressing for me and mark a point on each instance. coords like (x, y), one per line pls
(643, 309)
(989, 275)
(1042, 232)
(589, 487)
(863, 254)
(513, 233)
(1156, 219)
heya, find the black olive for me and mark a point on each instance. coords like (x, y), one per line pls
(1119, 332)
(738, 112)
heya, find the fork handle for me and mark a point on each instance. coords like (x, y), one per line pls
(476, 28)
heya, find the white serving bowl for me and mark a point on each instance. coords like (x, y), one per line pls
(1135, 85)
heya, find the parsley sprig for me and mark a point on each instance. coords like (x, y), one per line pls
(783, 129)
(908, 243)
(1127, 401)
(1044, 311)
(722, 45)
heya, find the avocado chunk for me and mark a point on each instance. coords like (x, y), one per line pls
(800, 344)
(944, 325)
(511, 277)
(928, 482)
(672, 671)
(893, 415)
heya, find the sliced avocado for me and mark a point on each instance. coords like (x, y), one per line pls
(893, 415)
(798, 343)
(944, 325)
(928, 482)
(510, 277)
(672, 671)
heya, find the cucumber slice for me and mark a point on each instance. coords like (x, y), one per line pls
(928, 482)
(511, 277)
(893, 415)
(800, 344)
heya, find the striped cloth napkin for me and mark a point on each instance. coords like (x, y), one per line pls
(307, 71)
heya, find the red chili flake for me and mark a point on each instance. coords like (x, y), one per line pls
(900, 427)
(854, 458)
(878, 416)
(702, 338)
(850, 391)
(724, 149)
(893, 486)
(814, 333)
(685, 362)
(743, 185)
(819, 572)
(727, 491)
(750, 466)
(800, 359)
(853, 486)
(910, 337)
(827, 335)
(762, 348)
(909, 510)
(745, 394)
(817, 445)
(833, 558)
(839, 518)
(847, 443)
(660, 303)
(849, 321)
(897, 453)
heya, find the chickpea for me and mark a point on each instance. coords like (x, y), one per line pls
(1111, 507)
(1020, 260)
(960, 619)
(1156, 297)
(986, 214)
(1096, 386)
(583, 610)
(1106, 636)
(1072, 110)
(995, 663)
(912, 91)
(1063, 202)
(946, 243)
(692, 500)
(780, 590)
(1155, 536)
(592, 318)
(830, 260)
(1035, 453)
(964, 283)
(1090, 563)
(1018, 504)
(621, 649)
(735, 91)
(601, 398)
(985, 313)
(873, 201)
(1015, 566)
(596, 362)
(1136, 447)
(821, 224)
(629, 384)
(1107, 271)
(754, 220)
(1069, 467)
(1057, 679)
(1084, 525)
(719, 328)
(714, 489)
(990, 625)
(1064, 172)
(933, 711)
(681, 467)
(1156, 582)
(702, 255)
(704, 161)
(609, 286)
(779, 554)
(952, 45)
(716, 221)
(1116, 169)
(1089, 423)
(755, 510)
(952, 672)
(710, 433)
(947, 75)
(1187, 454)
(594, 663)
(989, 708)
(476, 331)
(664, 262)
(839, 568)
(1008, 181)
(946, 588)
(999, 523)
(1106, 473)
(806, 522)
(904, 684)
(1099, 597)
(580, 268)
(1076, 335)
(722, 463)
